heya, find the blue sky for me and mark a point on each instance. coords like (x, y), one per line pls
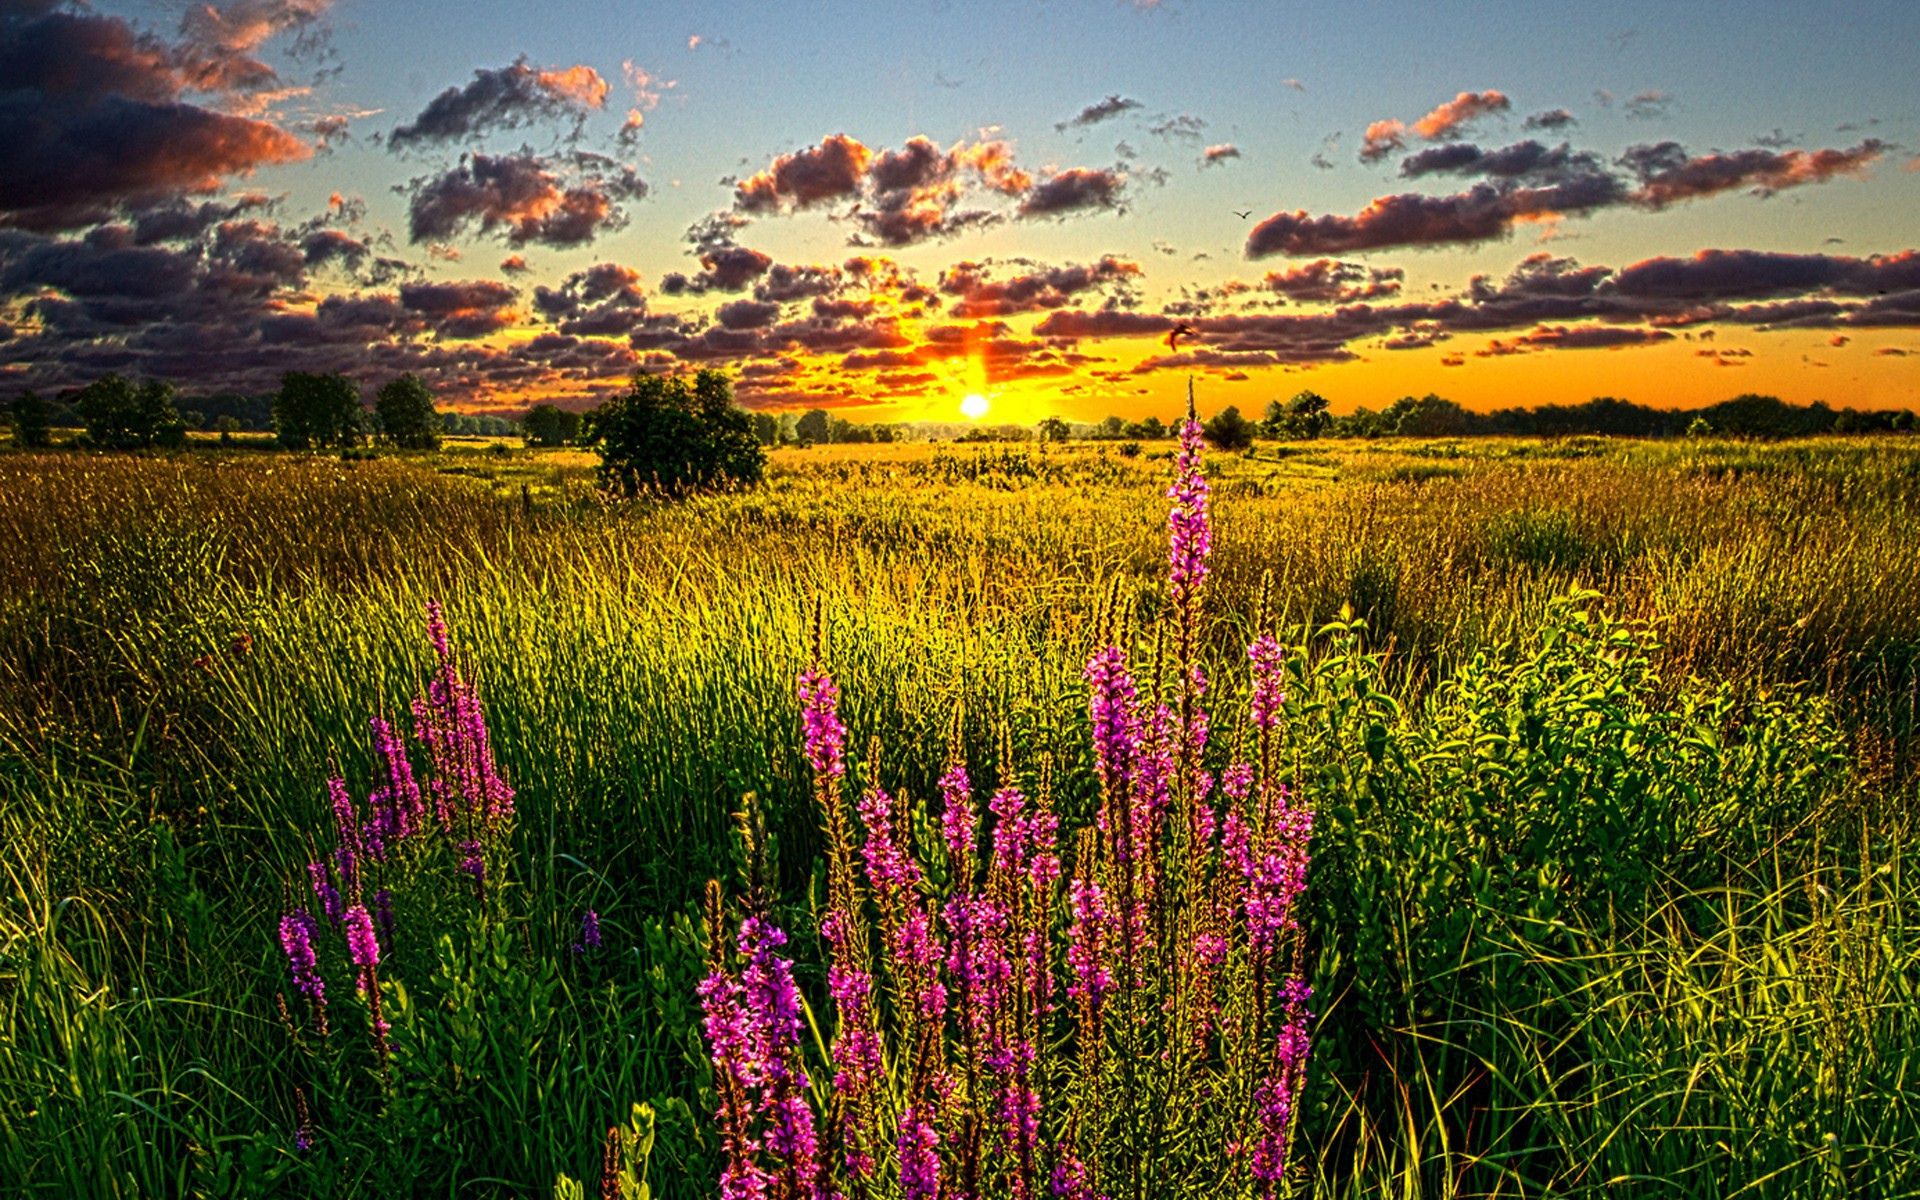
(1795, 129)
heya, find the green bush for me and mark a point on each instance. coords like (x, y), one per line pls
(672, 436)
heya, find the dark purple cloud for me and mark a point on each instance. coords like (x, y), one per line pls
(503, 98)
(523, 197)
(1098, 111)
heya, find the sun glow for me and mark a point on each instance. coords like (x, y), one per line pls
(973, 406)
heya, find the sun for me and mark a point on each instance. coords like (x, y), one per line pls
(974, 406)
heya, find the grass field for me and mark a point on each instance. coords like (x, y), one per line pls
(1611, 749)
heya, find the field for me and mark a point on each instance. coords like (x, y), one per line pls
(1610, 747)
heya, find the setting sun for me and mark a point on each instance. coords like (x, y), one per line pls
(973, 406)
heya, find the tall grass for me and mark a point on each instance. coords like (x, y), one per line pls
(185, 644)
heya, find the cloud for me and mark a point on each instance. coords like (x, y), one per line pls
(92, 117)
(725, 267)
(1520, 160)
(1528, 181)
(504, 98)
(1482, 213)
(523, 197)
(1098, 111)
(1449, 118)
(467, 308)
(816, 175)
(1038, 289)
(1553, 118)
(1648, 106)
(1329, 281)
(1215, 155)
(1072, 190)
(217, 43)
(1669, 175)
(1589, 337)
(1184, 126)
(1381, 139)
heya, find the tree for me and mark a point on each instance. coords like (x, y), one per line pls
(1112, 427)
(31, 421)
(317, 410)
(1151, 428)
(1053, 429)
(1229, 430)
(550, 425)
(1307, 415)
(766, 429)
(814, 426)
(120, 416)
(407, 416)
(669, 436)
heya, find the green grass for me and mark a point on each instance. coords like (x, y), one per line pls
(1703, 772)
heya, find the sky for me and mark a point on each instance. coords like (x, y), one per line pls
(885, 209)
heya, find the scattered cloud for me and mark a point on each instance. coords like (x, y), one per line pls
(500, 98)
(1100, 110)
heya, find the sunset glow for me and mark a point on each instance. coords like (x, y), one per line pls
(973, 406)
(1664, 203)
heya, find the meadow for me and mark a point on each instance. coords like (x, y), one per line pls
(1610, 746)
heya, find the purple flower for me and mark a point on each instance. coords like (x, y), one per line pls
(589, 932)
(1088, 943)
(472, 862)
(362, 946)
(1278, 1093)
(917, 957)
(1269, 681)
(1110, 709)
(958, 821)
(889, 869)
(1189, 533)
(826, 737)
(1072, 1180)
(323, 889)
(395, 803)
(918, 1144)
(383, 913)
(296, 940)
(467, 788)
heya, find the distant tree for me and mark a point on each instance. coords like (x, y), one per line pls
(1274, 424)
(31, 421)
(1229, 430)
(1152, 428)
(766, 428)
(1903, 421)
(120, 416)
(317, 411)
(1053, 429)
(407, 416)
(550, 425)
(1112, 427)
(1306, 416)
(1429, 416)
(814, 426)
(673, 437)
(1700, 427)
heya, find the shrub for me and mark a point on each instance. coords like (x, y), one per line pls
(672, 436)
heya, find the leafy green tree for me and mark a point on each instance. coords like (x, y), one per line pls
(1151, 428)
(1112, 427)
(407, 416)
(1053, 429)
(550, 425)
(121, 416)
(317, 411)
(1229, 430)
(669, 436)
(1307, 415)
(766, 429)
(31, 421)
(814, 425)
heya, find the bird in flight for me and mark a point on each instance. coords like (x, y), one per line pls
(1179, 331)
(1242, 215)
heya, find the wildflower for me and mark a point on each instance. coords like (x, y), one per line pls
(362, 945)
(296, 940)
(1275, 1098)
(917, 1143)
(1087, 945)
(589, 932)
(889, 869)
(395, 804)
(958, 820)
(1189, 532)
(324, 891)
(825, 736)
(1269, 693)
(383, 913)
(467, 788)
